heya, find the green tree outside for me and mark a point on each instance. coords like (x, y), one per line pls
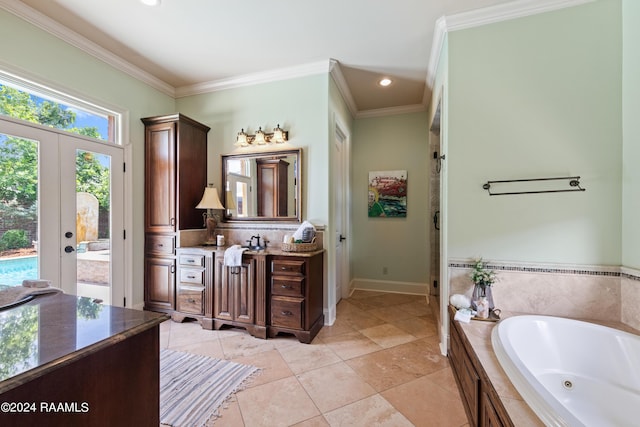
(19, 157)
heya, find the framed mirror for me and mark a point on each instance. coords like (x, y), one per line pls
(263, 186)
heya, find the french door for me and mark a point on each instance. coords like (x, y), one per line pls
(76, 221)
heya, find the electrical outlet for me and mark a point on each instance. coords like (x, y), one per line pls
(385, 270)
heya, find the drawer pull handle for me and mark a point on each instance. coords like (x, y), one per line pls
(191, 300)
(286, 287)
(191, 261)
(161, 244)
(191, 277)
(287, 313)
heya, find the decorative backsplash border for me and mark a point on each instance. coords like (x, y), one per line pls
(629, 273)
(591, 270)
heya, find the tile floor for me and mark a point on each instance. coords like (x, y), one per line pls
(378, 365)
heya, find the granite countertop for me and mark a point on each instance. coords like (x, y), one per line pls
(270, 250)
(51, 331)
(479, 335)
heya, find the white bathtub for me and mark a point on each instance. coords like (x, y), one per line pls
(571, 373)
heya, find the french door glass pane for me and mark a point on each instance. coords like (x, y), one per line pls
(18, 209)
(93, 224)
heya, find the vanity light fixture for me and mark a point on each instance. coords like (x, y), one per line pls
(260, 137)
(151, 3)
(278, 136)
(385, 82)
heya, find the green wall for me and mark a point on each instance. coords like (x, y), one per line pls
(398, 142)
(537, 97)
(299, 105)
(631, 133)
(53, 61)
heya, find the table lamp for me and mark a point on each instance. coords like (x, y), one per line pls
(211, 202)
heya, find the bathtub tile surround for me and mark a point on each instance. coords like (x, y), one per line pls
(603, 293)
(630, 296)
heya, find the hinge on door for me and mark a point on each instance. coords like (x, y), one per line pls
(124, 301)
(124, 234)
(124, 167)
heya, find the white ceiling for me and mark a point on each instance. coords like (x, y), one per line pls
(186, 43)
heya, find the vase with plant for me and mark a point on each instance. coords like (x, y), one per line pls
(482, 279)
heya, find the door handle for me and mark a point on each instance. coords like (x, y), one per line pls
(342, 238)
(68, 249)
(436, 220)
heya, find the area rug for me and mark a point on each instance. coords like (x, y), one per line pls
(193, 387)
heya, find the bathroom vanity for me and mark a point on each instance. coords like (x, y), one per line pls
(272, 292)
(479, 397)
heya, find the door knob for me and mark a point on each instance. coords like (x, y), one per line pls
(68, 234)
(68, 249)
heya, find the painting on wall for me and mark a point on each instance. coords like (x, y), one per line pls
(388, 194)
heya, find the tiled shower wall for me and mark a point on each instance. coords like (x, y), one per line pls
(603, 293)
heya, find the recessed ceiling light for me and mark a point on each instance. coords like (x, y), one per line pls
(385, 82)
(150, 2)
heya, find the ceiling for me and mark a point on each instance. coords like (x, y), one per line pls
(189, 44)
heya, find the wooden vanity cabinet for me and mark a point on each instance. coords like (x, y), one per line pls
(175, 178)
(238, 296)
(480, 400)
(194, 286)
(296, 292)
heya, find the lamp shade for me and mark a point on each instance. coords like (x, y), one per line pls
(210, 199)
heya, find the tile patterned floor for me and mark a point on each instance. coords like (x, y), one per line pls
(378, 365)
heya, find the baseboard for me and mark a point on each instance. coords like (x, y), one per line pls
(390, 286)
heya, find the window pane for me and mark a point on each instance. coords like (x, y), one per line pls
(25, 105)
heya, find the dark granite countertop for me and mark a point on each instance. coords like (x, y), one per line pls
(54, 330)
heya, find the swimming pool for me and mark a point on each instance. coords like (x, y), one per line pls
(14, 270)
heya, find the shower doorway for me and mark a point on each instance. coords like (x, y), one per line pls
(435, 202)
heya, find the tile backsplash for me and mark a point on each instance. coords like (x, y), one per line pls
(239, 233)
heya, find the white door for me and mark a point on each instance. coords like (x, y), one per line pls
(56, 167)
(340, 216)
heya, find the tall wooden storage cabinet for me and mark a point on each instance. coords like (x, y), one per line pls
(272, 188)
(175, 178)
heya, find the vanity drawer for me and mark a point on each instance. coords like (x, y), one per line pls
(191, 260)
(287, 312)
(159, 244)
(285, 266)
(190, 300)
(192, 275)
(287, 286)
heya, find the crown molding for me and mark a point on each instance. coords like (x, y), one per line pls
(58, 30)
(380, 112)
(439, 37)
(320, 67)
(343, 87)
(488, 15)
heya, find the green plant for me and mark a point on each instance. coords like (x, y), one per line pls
(480, 275)
(14, 239)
